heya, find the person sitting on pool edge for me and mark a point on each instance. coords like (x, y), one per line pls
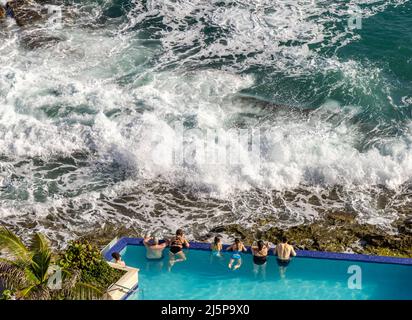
(237, 247)
(154, 249)
(177, 244)
(118, 259)
(283, 251)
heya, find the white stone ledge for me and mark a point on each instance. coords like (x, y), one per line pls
(129, 281)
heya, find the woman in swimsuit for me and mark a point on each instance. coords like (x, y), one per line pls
(260, 254)
(216, 246)
(237, 248)
(176, 248)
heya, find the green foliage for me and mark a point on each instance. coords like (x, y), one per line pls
(6, 295)
(86, 258)
(80, 255)
(101, 275)
(29, 268)
(27, 271)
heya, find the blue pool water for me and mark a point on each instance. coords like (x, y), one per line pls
(204, 277)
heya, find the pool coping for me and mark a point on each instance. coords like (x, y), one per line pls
(125, 241)
(125, 286)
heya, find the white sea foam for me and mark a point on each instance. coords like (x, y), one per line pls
(107, 96)
(272, 33)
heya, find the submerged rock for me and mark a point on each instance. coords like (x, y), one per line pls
(25, 12)
(102, 236)
(40, 40)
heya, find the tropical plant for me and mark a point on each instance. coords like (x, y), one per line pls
(28, 270)
(87, 259)
(6, 295)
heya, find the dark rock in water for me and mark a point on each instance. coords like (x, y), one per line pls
(2, 13)
(25, 12)
(103, 235)
(340, 216)
(404, 226)
(218, 229)
(32, 41)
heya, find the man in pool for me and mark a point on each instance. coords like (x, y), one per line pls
(154, 249)
(118, 259)
(283, 251)
(177, 243)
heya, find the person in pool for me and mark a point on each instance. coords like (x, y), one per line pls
(237, 247)
(154, 249)
(118, 259)
(260, 254)
(216, 247)
(177, 244)
(283, 251)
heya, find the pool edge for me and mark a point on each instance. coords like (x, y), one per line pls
(125, 241)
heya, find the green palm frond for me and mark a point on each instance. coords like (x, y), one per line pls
(41, 292)
(74, 289)
(85, 291)
(10, 262)
(40, 265)
(25, 293)
(34, 292)
(31, 277)
(27, 271)
(40, 243)
(41, 257)
(12, 243)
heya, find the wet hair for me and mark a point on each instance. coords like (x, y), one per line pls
(154, 242)
(237, 240)
(179, 232)
(216, 240)
(284, 239)
(260, 244)
(116, 256)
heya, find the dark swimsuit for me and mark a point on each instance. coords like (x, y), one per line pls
(283, 263)
(176, 246)
(175, 249)
(259, 260)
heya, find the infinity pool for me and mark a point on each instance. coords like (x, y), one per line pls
(205, 277)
